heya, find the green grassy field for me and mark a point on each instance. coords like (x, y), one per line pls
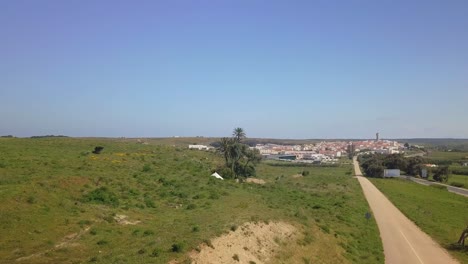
(458, 179)
(58, 204)
(447, 155)
(439, 213)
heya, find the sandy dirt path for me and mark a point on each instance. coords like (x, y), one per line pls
(402, 240)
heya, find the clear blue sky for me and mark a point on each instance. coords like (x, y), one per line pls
(283, 69)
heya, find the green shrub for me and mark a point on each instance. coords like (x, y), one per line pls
(191, 206)
(142, 251)
(148, 233)
(31, 200)
(195, 229)
(149, 203)
(147, 168)
(102, 242)
(155, 253)
(102, 195)
(177, 247)
(305, 173)
(84, 223)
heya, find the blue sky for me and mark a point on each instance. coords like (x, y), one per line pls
(282, 69)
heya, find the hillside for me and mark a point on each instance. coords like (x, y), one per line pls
(154, 201)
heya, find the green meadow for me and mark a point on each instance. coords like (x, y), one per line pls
(60, 203)
(439, 213)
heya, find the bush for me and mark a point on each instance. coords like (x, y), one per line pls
(235, 257)
(146, 168)
(149, 203)
(177, 247)
(98, 149)
(458, 184)
(155, 253)
(102, 242)
(102, 195)
(305, 173)
(31, 200)
(191, 206)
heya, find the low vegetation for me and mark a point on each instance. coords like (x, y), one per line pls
(155, 202)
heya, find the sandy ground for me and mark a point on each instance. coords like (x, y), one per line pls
(402, 240)
(123, 220)
(255, 180)
(250, 243)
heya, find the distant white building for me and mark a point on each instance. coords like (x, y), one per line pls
(200, 147)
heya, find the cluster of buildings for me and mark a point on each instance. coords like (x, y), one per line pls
(200, 147)
(327, 151)
(322, 152)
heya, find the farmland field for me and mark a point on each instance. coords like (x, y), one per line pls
(153, 201)
(439, 213)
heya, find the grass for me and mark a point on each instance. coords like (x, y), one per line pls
(463, 179)
(53, 187)
(448, 155)
(439, 213)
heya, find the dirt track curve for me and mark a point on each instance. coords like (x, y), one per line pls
(403, 241)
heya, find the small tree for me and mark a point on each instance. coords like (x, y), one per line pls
(375, 170)
(441, 174)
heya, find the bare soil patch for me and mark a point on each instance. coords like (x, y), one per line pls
(296, 176)
(252, 242)
(123, 220)
(255, 180)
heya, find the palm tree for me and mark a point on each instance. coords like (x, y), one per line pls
(224, 148)
(238, 134)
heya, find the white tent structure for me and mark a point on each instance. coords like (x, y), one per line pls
(217, 176)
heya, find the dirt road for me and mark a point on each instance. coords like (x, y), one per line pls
(402, 240)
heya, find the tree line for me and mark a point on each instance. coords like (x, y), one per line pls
(375, 164)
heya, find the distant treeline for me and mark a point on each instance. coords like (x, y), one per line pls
(8, 136)
(460, 171)
(50, 136)
(442, 144)
(444, 161)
